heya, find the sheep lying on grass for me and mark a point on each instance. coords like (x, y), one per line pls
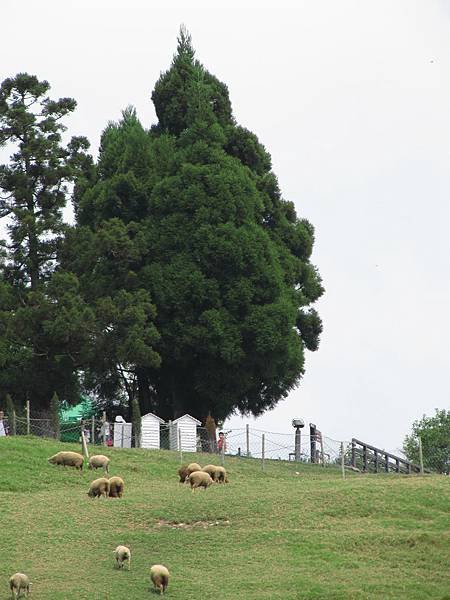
(99, 487)
(116, 487)
(199, 479)
(159, 575)
(17, 583)
(186, 470)
(122, 554)
(67, 459)
(99, 461)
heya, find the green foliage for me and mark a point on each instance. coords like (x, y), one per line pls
(191, 213)
(434, 433)
(39, 313)
(54, 416)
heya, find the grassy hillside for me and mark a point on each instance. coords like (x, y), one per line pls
(265, 535)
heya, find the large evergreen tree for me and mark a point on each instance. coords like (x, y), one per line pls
(34, 356)
(106, 252)
(225, 259)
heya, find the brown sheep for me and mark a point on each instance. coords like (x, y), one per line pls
(67, 459)
(212, 471)
(159, 575)
(185, 471)
(221, 475)
(193, 467)
(17, 583)
(199, 479)
(99, 487)
(99, 461)
(116, 487)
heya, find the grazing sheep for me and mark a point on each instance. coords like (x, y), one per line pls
(99, 461)
(17, 583)
(160, 577)
(68, 459)
(185, 471)
(122, 554)
(193, 467)
(221, 475)
(199, 479)
(116, 487)
(99, 487)
(211, 470)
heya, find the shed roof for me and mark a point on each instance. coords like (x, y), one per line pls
(153, 417)
(184, 417)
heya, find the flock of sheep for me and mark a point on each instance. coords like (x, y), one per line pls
(114, 488)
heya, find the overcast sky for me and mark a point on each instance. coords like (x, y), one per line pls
(352, 100)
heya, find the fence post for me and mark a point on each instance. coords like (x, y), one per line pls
(376, 461)
(84, 445)
(312, 441)
(353, 454)
(420, 455)
(180, 447)
(342, 460)
(247, 438)
(28, 417)
(222, 451)
(322, 455)
(14, 422)
(263, 449)
(298, 444)
(93, 430)
(122, 433)
(365, 458)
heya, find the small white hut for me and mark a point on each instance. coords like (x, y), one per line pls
(122, 433)
(150, 427)
(187, 427)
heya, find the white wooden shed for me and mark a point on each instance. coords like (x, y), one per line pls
(150, 426)
(122, 433)
(187, 426)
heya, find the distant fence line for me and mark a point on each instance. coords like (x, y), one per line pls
(246, 442)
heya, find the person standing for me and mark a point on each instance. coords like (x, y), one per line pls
(221, 443)
(3, 428)
(104, 433)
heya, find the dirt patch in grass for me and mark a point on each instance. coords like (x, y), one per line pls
(203, 524)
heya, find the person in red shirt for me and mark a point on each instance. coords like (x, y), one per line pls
(221, 442)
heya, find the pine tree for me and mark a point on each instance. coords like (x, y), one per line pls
(33, 192)
(223, 256)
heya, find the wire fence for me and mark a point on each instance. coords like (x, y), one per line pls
(245, 443)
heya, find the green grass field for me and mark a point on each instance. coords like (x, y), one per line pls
(265, 535)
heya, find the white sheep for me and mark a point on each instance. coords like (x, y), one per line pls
(19, 582)
(122, 553)
(99, 461)
(159, 575)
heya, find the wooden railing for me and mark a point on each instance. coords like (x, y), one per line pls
(368, 458)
